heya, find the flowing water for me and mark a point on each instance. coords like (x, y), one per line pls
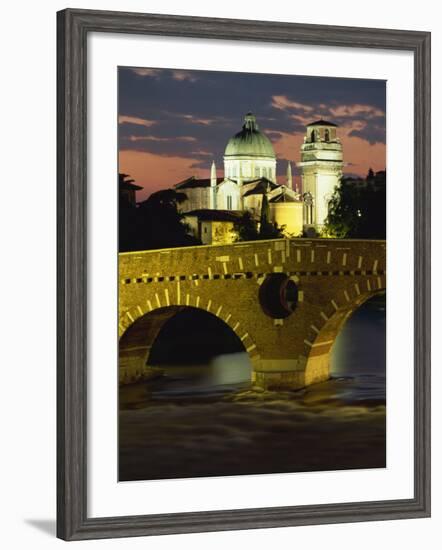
(207, 420)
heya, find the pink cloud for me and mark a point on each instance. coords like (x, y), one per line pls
(140, 71)
(282, 102)
(184, 75)
(196, 120)
(155, 138)
(356, 109)
(123, 119)
(304, 120)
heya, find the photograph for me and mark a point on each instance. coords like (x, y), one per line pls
(251, 273)
(234, 312)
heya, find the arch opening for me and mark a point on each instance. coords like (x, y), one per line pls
(183, 345)
(360, 347)
(348, 341)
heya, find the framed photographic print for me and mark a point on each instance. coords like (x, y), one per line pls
(233, 351)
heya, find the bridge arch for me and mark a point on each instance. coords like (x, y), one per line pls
(330, 321)
(333, 277)
(139, 330)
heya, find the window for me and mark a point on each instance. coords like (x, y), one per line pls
(308, 208)
(327, 135)
(229, 202)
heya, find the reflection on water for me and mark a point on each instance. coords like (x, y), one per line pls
(205, 419)
(225, 373)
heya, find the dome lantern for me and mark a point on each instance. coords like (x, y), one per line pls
(250, 122)
(250, 141)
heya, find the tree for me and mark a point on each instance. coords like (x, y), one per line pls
(155, 223)
(358, 208)
(126, 211)
(268, 229)
(247, 228)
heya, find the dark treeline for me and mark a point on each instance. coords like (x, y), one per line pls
(358, 208)
(153, 223)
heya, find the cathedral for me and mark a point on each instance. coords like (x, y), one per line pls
(214, 204)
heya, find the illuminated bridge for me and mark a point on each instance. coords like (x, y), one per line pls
(285, 299)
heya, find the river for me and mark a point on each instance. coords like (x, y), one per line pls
(208, 420)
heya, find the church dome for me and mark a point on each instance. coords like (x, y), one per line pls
(250, 142)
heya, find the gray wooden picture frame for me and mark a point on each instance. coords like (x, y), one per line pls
(73, 27)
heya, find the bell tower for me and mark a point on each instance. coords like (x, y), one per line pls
(321, 170)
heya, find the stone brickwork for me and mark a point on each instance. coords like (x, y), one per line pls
(333, 278)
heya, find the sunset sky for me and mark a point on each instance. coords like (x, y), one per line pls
(173, 123)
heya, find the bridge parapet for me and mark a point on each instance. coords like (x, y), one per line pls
(305, 255)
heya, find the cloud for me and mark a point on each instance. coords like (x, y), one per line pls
(184, 75)
(358, 119)
(282, 102)
(356, 109)
(156, 138)
(177, 74)
(201, 153)
(197, 120)
(355, 125)
(304, 120)
(123, 119)
(140, 71)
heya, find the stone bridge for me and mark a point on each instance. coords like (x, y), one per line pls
(286, 300)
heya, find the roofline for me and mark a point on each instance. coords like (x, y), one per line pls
(322, 122)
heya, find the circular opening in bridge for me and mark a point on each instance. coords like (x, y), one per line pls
(195, 349)
(278, 295)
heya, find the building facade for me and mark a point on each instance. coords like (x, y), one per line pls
(249, 182)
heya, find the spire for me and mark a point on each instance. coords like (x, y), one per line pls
(213, 175)
(213, 181)
(289, 176)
